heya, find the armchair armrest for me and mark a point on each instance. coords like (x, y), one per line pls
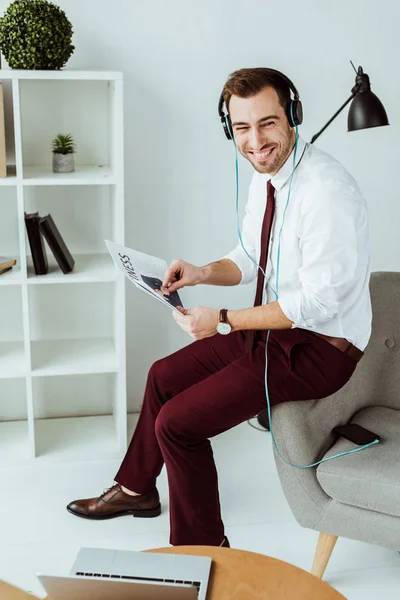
(303, 434)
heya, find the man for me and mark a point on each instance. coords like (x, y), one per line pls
(319, 324)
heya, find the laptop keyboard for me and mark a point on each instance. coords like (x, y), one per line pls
(195, 584)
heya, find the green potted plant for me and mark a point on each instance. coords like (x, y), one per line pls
(35, 34)
(63, 153)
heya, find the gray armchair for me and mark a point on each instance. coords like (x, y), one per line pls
(356, 496)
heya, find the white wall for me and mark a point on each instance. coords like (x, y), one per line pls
(175, 56)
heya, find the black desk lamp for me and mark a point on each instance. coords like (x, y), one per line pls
(365, 111)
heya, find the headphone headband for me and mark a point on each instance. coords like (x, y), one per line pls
(294, 110)
(287, 80)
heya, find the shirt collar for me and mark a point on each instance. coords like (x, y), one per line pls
(279, 180)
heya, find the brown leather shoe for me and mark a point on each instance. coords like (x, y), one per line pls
(113, 502)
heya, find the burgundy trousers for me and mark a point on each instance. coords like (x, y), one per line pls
(205, 389)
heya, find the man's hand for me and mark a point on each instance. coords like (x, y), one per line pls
(180, 273)
(199, 322)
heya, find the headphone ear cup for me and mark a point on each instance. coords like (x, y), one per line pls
(295, 113)
(227, 125)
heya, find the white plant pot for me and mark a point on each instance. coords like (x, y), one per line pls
(63, 163)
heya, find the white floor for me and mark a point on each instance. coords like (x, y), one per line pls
(38, 534)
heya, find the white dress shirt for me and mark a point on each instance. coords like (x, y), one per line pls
(324, 246)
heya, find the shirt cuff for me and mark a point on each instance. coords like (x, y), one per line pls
(291, 307)
(244, 264)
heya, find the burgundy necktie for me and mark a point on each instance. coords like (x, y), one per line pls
(265, 236)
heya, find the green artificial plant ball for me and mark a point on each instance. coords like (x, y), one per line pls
(35, 34)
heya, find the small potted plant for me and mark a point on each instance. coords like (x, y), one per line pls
(63, 153)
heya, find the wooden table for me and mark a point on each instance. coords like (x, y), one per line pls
(9, 592)
(241, 575)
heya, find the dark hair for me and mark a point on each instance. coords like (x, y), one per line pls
(248, 82)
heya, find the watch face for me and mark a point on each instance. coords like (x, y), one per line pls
(223, 328)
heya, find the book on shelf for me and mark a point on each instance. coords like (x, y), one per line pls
(36, 243)
(2, 271)
(56, 243)
(5, 263)
(3, 161)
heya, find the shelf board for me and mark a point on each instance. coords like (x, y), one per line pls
(71, 357)
(13, 277)
(14, 442)
(76, 438)
(11, 178)
(12, 360)
(75, 74)
(83, 175)
(88, 268)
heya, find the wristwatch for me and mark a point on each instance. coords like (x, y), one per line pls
(223, 326)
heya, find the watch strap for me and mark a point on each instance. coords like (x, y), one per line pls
(223, 315)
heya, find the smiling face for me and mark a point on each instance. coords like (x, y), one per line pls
(261, 130)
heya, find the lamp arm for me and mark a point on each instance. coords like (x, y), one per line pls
(354, 93)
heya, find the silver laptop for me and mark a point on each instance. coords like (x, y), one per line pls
(101, 574)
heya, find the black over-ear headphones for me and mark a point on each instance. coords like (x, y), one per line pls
(294, 109)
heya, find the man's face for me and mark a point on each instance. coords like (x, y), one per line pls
(261, 130)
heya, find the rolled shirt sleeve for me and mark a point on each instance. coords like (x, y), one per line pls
(328, 232)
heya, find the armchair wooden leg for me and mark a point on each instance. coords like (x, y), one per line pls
(325, 546)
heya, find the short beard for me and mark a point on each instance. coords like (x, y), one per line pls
(279, 159)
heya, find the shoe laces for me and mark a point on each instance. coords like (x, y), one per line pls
(107, 490)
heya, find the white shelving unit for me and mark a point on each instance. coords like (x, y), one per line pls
(62, 337)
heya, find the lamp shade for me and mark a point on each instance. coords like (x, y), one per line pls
(366, 110)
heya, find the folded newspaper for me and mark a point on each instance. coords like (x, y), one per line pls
(145, 271)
